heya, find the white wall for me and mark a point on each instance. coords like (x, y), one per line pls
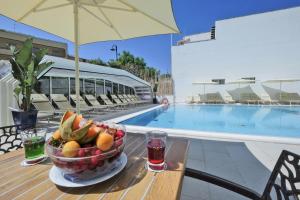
(198, 37)
(266, 46)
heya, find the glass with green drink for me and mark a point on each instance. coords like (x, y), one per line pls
(34, 144)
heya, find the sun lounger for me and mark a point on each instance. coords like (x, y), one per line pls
(190, 100)
(249, 98)
(61, 102)
(135, 100)
(138, 99)
(94, 103)
(83, 105)
(124, 98)
(288, 98)
(214, 98)
(118, 101)
(107, 101)
(197, 99)
(43, 105)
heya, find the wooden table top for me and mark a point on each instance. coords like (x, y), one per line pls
(134, 182)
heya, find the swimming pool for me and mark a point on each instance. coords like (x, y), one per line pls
(242, 119)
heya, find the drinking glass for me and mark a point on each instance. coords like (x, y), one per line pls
(34, 143)
(156, 144)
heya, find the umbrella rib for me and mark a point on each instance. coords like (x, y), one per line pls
(91, 13)
(108, 7)
(53, 7)
(31, 10)
(102, 12)
(147, 15)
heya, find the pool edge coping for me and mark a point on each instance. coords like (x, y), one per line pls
(223, 136)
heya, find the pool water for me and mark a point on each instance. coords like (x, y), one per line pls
(241, 119)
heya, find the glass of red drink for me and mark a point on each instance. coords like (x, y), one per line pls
(156, 146)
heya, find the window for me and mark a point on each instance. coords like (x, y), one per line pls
(89, 85)
(43, 85)
(127, 90)
(115, 88)
(72, 86)
(121, 89)
(108, 87)
(99, 87)
(219, 81)
(60, 85)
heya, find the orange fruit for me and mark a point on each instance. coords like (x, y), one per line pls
(67, 115)
(76, 122)
(70, 149)
(56, 135)
(93, 131)
(105, 141)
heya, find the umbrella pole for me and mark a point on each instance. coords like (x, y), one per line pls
(280, 90)
(77, 86)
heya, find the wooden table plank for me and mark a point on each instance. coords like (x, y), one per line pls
(73, 193)
(138, 188)
(99, 192)
(164, 187)
(134, 182)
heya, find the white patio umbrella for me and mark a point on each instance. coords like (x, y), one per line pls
(87, 21)
(240, 82)
(204, 83)
(280, 81)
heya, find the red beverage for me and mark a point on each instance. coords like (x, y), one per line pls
(156, 151)
(156, 144)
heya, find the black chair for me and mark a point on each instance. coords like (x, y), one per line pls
(10, 139)
(282, 182)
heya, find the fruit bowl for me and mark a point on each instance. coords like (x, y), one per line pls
(83, 149)
(88, 161)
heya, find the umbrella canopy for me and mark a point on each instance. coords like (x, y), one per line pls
(86, 21)
(280, 81)
(240, 82)
(204, 83)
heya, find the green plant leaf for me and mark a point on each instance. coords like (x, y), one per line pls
(38, 56)
(24, 55)
(30, 73)
(17, 91)
(17, 71)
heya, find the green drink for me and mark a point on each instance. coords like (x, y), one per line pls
(34, 143)
(34, 147)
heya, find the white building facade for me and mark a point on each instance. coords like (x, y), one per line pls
(262, 46)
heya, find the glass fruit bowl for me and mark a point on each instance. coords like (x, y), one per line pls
(88, 161)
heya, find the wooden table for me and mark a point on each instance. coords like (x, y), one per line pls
(134, 182)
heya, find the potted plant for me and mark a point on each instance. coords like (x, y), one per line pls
(26, 66)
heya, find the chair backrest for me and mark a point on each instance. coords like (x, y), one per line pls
(61, 101)
(284, 177)
(121, 96)
(82, 102)
(116, 99)
(42, 103)
(10, 138)
(92, 100)
(125, 97)
(106, 100)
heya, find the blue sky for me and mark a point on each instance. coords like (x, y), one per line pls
(192, 16)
